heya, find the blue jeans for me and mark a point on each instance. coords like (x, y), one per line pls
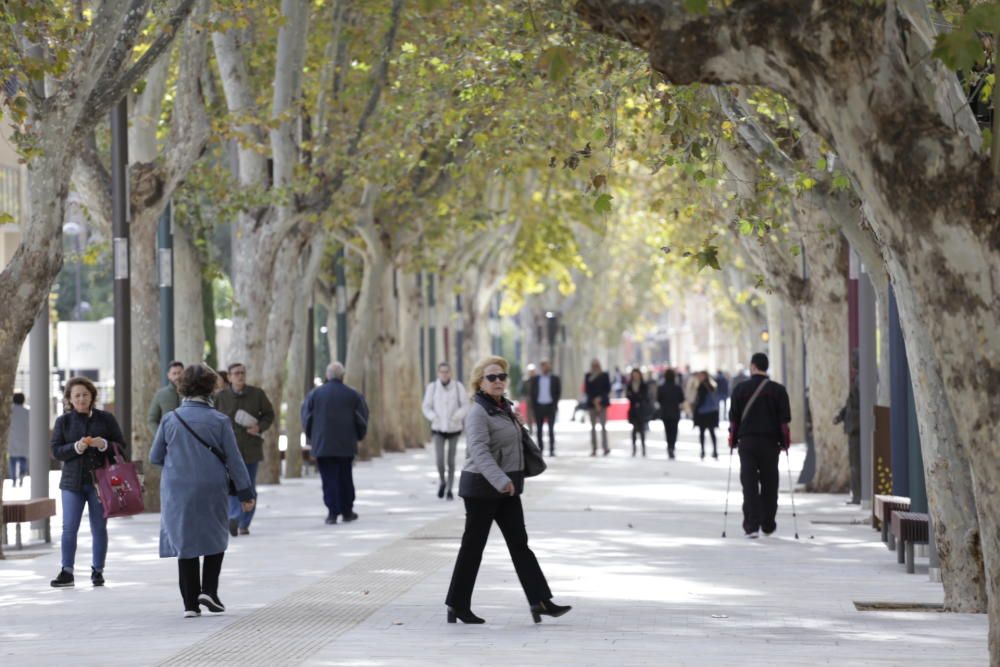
(236, 512)
(18, 464)
(73, 502)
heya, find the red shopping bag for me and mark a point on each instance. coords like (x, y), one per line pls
(118, 486)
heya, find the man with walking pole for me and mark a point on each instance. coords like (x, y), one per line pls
(759, 415)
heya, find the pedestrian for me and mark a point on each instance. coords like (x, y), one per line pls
(491, 485)
(18, 443)
(850, 415)
(597, 387)
(722, 389)
(691, 382)
(196, 447)
(445, 405)
(82, 439)
(335, 419)
(759, 415)
(524, 395)
(251, 414)
(545, 392)
(639, 407)
(166, 398)
(223, 379)
(670, 397)
(706, 412)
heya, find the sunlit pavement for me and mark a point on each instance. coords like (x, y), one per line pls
(633, 544)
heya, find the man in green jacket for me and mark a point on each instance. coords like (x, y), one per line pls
(251, 414)
(166, 399)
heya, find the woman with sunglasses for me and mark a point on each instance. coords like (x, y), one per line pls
(491, 485)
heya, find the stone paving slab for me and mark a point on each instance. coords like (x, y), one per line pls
(633, 544)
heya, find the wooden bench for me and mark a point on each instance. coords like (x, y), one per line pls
(882, 510)
(22, 511)
(909, 528)
(308, 462)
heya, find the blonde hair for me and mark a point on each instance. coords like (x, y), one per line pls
(480, 370)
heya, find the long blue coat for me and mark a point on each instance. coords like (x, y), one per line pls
(193, 488)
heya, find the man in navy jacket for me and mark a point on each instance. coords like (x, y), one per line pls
(335, 419)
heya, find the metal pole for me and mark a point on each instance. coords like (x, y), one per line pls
(165, 264)
(120, 232)
(341, 308)
(310, 365)
(459, 338)
(40, 390)
(867, 376)
(431, 329)
(898, 422)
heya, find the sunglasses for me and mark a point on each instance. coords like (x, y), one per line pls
(493, 378)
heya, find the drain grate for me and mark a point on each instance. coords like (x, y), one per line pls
(898, 606)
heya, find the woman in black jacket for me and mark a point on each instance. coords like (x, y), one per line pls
(82, 439)
(640, 407)
(670, 396)
(706, 412)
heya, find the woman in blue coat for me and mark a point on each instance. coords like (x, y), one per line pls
(196, 446)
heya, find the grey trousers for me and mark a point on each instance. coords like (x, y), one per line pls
(598, 416)
(439, 441)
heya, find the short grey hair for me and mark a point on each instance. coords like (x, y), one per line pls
(335, 371)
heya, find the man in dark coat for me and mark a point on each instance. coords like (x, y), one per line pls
(544, 392)
(758, 425)
(335, 419)
(251, 413)
(166, 399)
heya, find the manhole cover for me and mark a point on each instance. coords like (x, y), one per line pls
(898, 606)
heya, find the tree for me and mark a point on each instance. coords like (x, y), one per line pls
(71, 71)
(931, 191)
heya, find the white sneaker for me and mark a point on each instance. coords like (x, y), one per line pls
(753, 536)
(211, 603)
(191, 614)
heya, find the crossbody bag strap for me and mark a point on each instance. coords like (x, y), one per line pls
(197, 437)
(753, 399)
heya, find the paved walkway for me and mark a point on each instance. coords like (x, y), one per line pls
(633, 544)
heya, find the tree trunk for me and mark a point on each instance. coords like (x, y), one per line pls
(406, 362)
(189, 330)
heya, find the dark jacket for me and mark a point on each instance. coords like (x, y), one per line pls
(722, 386)
(769, 414)
(597, 386)
(70, 427)
(555, 388)
(640, 406)
(254, 401)
(335, 419)
(165, 400)
(706, 407)
(670, 397)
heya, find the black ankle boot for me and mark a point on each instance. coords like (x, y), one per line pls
(464, 615)
(548, 608)
(441, 490)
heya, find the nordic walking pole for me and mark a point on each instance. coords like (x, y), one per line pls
(729, 479)
(791, 490)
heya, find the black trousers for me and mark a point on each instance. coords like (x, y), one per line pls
(670, 427)
(192, 585)
(759, 477)
(546, 413)
(479, 517)
(337, 473)
(701, 439)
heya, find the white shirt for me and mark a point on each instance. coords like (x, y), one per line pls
(544, 389)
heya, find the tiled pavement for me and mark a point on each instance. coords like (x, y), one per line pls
(633, 544)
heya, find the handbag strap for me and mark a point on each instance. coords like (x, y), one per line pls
(753, 399)
(197, 437)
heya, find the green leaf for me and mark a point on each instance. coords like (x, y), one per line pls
(821, 164)
(557, 62)
(959, 49)
(603, 203)
(696, 6)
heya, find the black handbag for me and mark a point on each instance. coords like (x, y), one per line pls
(534, 462)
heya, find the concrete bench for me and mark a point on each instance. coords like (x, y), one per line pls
(23, 511)
(882, 509)
(909, 528)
